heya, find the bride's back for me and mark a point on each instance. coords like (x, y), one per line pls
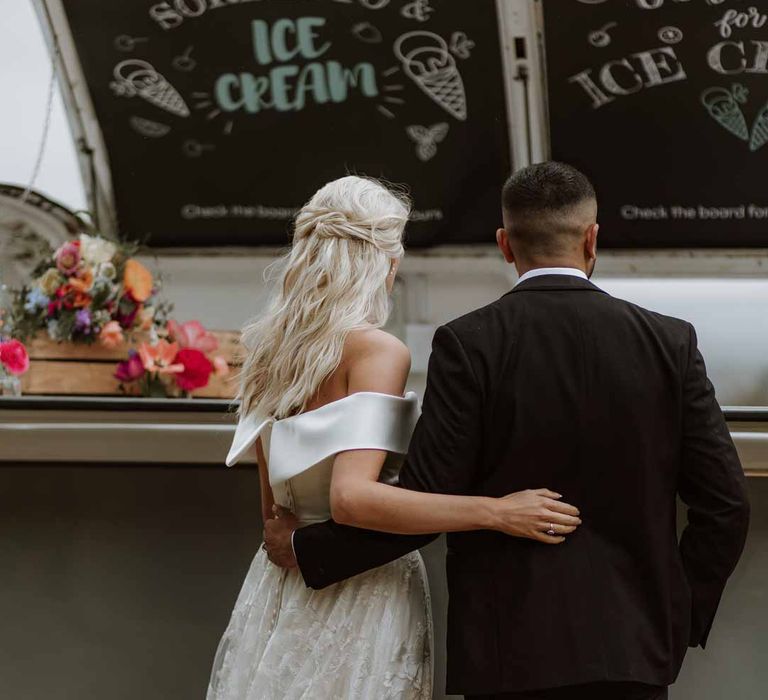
(354, 409)
(320, 343)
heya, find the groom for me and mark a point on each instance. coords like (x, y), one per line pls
(559, 384)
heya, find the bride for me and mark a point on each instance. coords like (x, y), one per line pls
(322, 405)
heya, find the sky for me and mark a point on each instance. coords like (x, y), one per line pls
(25, 70)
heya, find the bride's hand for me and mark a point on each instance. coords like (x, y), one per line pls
(534, 513)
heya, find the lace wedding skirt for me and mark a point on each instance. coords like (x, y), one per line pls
(369, 637)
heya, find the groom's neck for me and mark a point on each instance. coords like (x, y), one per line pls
(524, 266)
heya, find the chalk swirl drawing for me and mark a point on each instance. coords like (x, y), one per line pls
(427, 138)
(419, 10)
(600, 38)
(461, 45)
(366, 32)
(127, 43)
(138, 78)
(671, 35)
(723, 106)
(426, 60)
(149, 128)
(184, 62)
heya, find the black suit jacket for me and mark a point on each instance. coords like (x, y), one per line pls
(559, 385)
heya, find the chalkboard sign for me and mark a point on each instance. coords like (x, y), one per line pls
(222, 117)
(664, 103)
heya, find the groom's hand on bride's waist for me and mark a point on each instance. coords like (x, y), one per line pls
(278, 538)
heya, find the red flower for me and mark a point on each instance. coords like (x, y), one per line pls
(197, 369)
(131, 369)
(13, 356)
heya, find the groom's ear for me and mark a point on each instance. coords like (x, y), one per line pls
(590, 243)
(502, 240)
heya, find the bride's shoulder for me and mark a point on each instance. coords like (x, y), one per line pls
(374, 341)
(373, 351)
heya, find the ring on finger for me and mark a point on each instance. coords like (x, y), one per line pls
(551, 532)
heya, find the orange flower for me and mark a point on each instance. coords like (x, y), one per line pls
(111, 334)
(137, 280)
(83, 281)
(159, 357)
(79, 286)
(77, 298)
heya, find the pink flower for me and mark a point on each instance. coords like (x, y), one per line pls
(160, 357)
(14, 357)
(111, 334)
(197, 369)
(220, 366)
(131, 369)
(192, 334)
(68, 258)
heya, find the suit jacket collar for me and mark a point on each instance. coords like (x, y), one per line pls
(556, 283)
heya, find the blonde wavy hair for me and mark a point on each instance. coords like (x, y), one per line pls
(331, 282)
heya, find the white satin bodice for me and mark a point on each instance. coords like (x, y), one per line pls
(301, 449)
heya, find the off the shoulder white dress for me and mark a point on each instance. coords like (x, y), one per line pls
(369, 637)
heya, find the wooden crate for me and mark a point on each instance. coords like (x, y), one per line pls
(78, 369)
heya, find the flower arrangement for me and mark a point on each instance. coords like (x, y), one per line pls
(176, 363)
(89, 289)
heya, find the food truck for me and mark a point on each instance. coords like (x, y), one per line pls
(204, 125)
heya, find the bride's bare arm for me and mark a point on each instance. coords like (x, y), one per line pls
(378, 362)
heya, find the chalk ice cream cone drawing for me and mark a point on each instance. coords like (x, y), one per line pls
(428, 62)
(724, 109)
(759, 130)
(135, 77)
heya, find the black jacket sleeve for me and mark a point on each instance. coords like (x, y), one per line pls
(441, 459)
(713, 486)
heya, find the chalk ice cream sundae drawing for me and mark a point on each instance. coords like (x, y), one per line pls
(427, 61)
(135, 77)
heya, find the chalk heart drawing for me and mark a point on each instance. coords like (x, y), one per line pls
(723, 106)
(427, 138)
(149, 128)
(427, 61)
(138, 78)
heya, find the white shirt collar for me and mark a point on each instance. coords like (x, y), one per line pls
(569, 271)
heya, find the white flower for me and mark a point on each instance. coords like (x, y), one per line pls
(107, 270)
(96, 250)
(53, 329)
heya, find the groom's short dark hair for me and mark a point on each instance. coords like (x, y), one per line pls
(546, 205)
